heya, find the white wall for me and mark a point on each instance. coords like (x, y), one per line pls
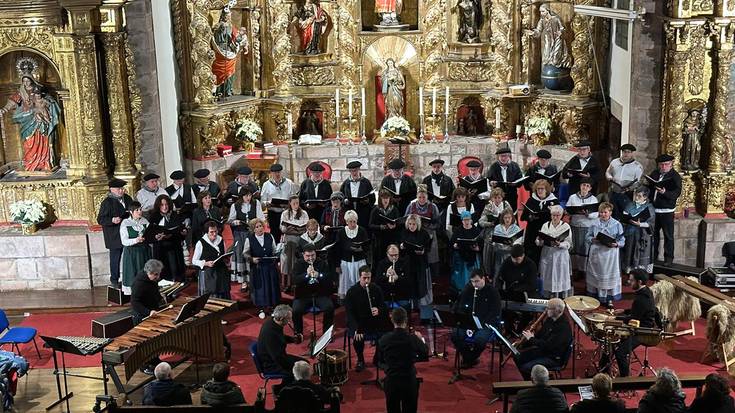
(620, 79)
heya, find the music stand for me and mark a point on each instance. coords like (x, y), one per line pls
(458, 320)
(580, 325)
(323, 341)
(512, 349)
(191, 308)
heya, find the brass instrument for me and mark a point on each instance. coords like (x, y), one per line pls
(392, 276)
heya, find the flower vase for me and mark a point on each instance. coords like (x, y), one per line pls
(29, 229)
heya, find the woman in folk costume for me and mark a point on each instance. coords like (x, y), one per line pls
(536, 213)
(580, 222)
(293, 225)
(354, 244)
(458, 205)
(465, 255)
(506, 228)
(166, 247)
(136, 250)
(555, 265)
(488, 220)
(261, 250)
(245, 209)
(312, 237)
(384, 225)
(213, 277)
(431, 223)
(603, 264)
(640, 218)
(415, 245)
(206, 211)
(333, 220)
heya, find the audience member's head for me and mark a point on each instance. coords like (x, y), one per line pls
(162, 371)
(602, 385)
(221, 372)
(667, 383)
(539, 375)
(302, 370)
(716, 386)
(399, 317)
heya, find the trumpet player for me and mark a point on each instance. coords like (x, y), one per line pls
(478, 298)
(314, 285)
(366, 313)
(550, 345)
(392, 278)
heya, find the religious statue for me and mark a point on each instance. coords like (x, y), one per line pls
(388, 11)
(470, 21)
(556, 60)
(309, 123)
(38, 114)
(393, 85)
(310, 21)
(227, 42)
(694, 125)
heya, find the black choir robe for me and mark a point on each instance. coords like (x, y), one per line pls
(110, 208)
(446, 189)
(233, 190)
(306, 192)
(418, 265)
(363, 206)
(478, 203)
(535, 220)
(406, 194)
(213, 189)
(593, 168)
(548, 171)
(513, 173)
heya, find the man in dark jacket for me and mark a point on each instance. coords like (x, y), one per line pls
(164, 391)
(303, 395)
(666, 191)
(439, 185)
(219, 391)
(399, 350)
(540, 398)
(503, 173)
(314, 286)
(366, 313)
(550, 344)
(665, 396)
(272, 345)
(400, 185)
(715, 398)
(602, 402)
(583, 165)
(315, 191)
(517, 278)
(145, 298)
(112, 212)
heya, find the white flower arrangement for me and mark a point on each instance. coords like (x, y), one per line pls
(248, 131)
(395, 126)
(538, 125)
(28, 212)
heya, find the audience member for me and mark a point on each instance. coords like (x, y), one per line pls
(164, 391)
(715, 398)
(602, 402)
(302, 395)
(219, 391)
(665, 396)
(541, 398)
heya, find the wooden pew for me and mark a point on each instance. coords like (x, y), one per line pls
(505, 389)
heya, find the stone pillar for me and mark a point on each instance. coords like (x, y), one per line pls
(117, 104)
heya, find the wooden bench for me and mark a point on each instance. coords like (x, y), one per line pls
(505, 389)
(237, 408)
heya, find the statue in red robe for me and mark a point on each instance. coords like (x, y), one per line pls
(388, 11)
(227, 42)
(310, 22)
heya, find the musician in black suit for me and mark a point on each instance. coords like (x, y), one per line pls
(542, 167)
(398, 350)
(314, 282)
(399, 184)
(478, 298)
(272, 344)
(518, 276)
(392, 277)
(644, 310)
(145, 298)
(203, 184)
(583, 165)
(182, 195)
(366, 313)
(476, 185)
(112, 212)
(355, 188)
(439, 185)
(313, 188)
(550, 344)
(504, 171)
(665, 194)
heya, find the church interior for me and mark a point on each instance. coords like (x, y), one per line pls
(132, 129)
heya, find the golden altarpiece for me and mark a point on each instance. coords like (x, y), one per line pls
(277, 76)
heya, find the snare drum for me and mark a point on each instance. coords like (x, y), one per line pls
(332, 368)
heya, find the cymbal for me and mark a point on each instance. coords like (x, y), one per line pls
(596, 317)
(582, 303)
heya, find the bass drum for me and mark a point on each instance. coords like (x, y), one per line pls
(332, 368)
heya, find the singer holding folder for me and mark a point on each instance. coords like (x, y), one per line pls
(555, 266)
(209, 257)
(466, 246)
(638, 219)
(384, 224)
(415, 244)
(353, 243)
(605, 237)
(260, 250)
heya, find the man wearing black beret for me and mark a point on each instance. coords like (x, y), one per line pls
(274, 195)
(356, 189)
(439, 185)
(625, 175)
(502, 173)
(203, 184)
(112, 211)
(543, 169)
(665, 185)
(181, 194)
(583, 165)
(315, 191)
(244, 178)
(400, 185)
(148, 193)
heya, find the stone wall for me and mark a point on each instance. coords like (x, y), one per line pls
(54, 258)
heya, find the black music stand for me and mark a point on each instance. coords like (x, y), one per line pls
(457, 320)
(191, 308)
(579, 325)
(63, 346)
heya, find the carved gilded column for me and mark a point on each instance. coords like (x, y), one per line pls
(583, 72)
(501, 29)
(278, 14)
(434, 44)
(722, 70)
(675, 81)
(117, 104)
(347, 44)
(86, 97)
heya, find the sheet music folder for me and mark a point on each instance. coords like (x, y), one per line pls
(321, 344)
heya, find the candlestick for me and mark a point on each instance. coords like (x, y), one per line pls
(421, 123)
(497, 120)
(289, 122)
(336, 103)
(518, 131)
(363, 141)
(362, 103)
(446, 101)
(421, 100)
(433, 102)
(349, 104)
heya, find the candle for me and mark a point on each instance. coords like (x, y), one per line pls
(289, 121)
(518, 130)
(336, 103)
(433, 101)
(349, 104)
(362, 101)
(446, 101)
(497, 119)
(421, 100)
